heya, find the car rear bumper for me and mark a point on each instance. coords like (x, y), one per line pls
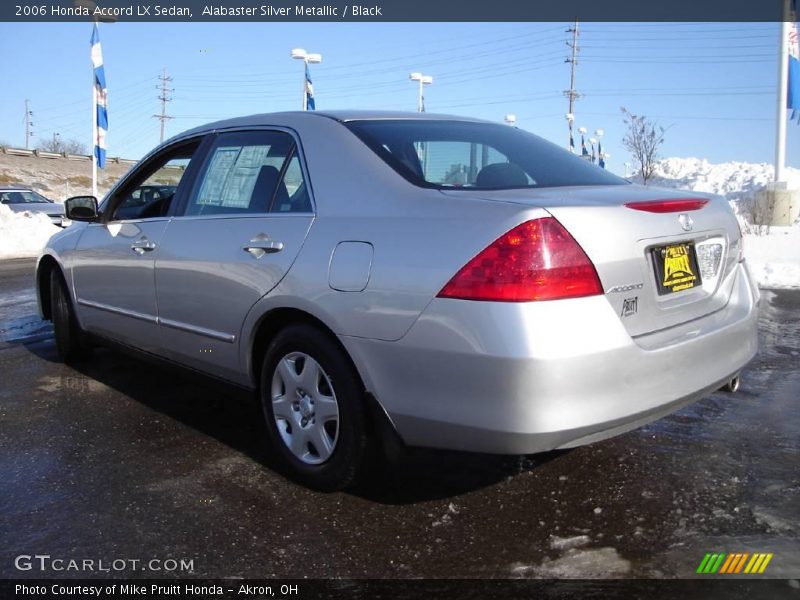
(521, 378)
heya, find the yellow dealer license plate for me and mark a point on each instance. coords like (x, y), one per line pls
(676, 267)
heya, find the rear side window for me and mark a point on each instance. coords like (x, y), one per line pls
(467, 155)
(252, 172)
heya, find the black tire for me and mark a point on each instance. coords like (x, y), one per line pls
(70, 340)
(350, 450)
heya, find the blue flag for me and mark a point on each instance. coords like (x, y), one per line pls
(584, 151)
(571, 143)
(101, 100)
(600, 158)
(310, 104)
(793, 96)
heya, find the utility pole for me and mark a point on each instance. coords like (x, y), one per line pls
(783, 87)
(163, 117)
(572, 94)
(28, 124)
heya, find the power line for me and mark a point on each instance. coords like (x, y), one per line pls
(680, 61)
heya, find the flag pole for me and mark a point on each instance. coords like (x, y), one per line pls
(94, 131)
(783, 90)
(94, 137)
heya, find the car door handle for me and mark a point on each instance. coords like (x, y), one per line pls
(143, 245)
(259, 246)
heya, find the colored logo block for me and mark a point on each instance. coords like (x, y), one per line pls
(734, 563)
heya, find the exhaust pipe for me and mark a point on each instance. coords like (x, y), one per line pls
(733, 385)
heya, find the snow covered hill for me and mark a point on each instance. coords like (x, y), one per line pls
(734, 180)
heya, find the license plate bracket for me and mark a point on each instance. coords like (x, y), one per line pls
(676, 267)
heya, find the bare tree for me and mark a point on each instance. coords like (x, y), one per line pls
(56, 144)
(642, 140)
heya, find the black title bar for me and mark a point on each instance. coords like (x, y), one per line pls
(386, 589)
(280, 11)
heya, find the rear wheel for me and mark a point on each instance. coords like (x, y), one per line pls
(70, 342)
(314, 407)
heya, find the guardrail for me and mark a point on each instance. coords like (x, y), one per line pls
(56, 155)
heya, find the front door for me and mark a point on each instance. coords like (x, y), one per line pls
(113, 270)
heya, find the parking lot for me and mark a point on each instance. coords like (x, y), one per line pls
(121, 459)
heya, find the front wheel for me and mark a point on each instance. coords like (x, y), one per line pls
(69, 338)
(313, 404)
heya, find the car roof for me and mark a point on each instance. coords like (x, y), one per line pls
(15, 188)
(291, 118)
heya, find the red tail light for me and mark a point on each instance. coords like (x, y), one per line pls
(668, 206)
(537, 260)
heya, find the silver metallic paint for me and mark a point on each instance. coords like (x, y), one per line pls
(497, 377)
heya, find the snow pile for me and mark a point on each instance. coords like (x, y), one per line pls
(737, 181)
(577, 563)
(23, 234)
(774, 259)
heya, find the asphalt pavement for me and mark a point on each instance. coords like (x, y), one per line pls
(121, 459)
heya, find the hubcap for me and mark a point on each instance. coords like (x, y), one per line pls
(304, 407)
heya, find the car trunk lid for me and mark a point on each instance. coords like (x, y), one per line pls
(657, 269)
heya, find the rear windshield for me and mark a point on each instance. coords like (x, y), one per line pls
(466, 155)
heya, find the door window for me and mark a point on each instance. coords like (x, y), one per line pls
(252, 172)
(153, 190)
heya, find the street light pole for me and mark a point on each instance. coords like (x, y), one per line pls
(307, 58)
(423, 81)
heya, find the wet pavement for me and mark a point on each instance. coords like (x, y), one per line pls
(121, 459)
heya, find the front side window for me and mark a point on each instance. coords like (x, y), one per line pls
(473, 155)
(153, 190)
(253, 172)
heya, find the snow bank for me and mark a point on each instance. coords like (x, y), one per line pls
(23, 234)
(737, 181)
(594, 563)
(774, 259)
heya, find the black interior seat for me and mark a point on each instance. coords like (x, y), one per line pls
(501, 175)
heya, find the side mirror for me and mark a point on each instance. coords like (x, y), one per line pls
(81, 208)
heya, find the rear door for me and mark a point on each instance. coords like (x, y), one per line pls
(236, 236)
(113, 265)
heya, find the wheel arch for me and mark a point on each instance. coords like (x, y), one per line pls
(273, 321)
(270, 323)
(47, 264)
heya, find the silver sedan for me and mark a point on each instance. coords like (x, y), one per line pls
(381, 279)
(22, 199)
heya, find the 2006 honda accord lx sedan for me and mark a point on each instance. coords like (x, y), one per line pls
(385, 278)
